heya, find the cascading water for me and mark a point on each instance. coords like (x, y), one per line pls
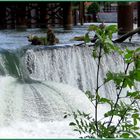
(32, 103)
(73, 65)
(28, 100)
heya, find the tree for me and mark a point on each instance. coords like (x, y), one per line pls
(93, 9)
(127, 113)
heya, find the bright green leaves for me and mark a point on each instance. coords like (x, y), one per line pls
(136, 74)
(104, 30)
(104, 131)
(94, 54)
(136, 118)
(87, 38)
(104, 100)
(133, 56)
(128, 56)
(93, 28)
(125, 135)
(126, 112)
(110, 30)
(134, 95)
(130, 127)
(104, 39)
(119, 110)
(136, 58)
(83, 123)
(122, 79)
(114, 76)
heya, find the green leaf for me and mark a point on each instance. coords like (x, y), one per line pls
(138, 133)
(125, 135)
(127, 112)
(90, 95)
(81, 121)
(104, 100)
(137, 75)
(136, 116)
(93, 28)
(78, 130)
(110, 44)
(94, 54)
(109, 76)
(72, 124)
(86, 38)
(137, 50)
(128, 55)
(99, 37)
(111, 112)
(135, 121)
(65, 116)
(128, 82)
(112, 28)
(135, 95)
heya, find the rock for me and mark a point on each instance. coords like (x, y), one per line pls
(79, 38)
(51, 39)
(37, 40)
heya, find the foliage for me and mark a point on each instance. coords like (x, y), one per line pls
(127, 113)
(93, 8)
(37, 40)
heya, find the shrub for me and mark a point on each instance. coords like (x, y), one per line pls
(93, 8)
(127, 113)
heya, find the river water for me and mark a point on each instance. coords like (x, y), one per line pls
(39, 84)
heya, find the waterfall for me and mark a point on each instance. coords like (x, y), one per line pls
(41, 104)
(44, 101)
(74, 66)
(40, 84)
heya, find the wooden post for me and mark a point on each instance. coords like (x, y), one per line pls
(138, 6)
(43, 13)
(8, 17)
(33, 12)
(125, 17)
(3, 16)
(75, 17)
(81, 12)
(67, 15)
(21, 20)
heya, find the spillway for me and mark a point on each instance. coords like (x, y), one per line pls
(39, 84)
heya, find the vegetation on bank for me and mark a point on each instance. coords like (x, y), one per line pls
(127, 113)
(49, 39)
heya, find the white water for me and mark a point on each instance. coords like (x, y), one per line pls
(74, 66)
(38, 109)
(30, 108)
(37, 129)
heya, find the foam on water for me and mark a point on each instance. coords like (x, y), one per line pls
(37, 109)
(33, 107)
(74, 66)
(36, 129)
